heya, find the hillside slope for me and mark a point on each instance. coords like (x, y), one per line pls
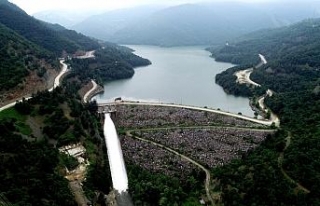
(39, 33)
(104, 26)
(25, 67)
(30, 50)
(193, 24)
(291, 157)
(292, 54)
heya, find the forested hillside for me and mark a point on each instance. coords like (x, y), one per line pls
(30, 50)
(39, 126)
(41, 34)
(194, 24)
(18, 56)
(111, 62)
(32, 170)
(284, 170)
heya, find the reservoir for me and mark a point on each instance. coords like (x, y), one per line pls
(180, 75)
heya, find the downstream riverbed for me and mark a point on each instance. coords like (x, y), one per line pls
(181, 75)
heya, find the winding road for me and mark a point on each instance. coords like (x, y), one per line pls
(56, 83)
(94, 87)
(261, 100)
(207, 172)
(57, 80)
(243, 76)
(273, 117)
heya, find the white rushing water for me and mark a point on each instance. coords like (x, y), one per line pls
(116, 162)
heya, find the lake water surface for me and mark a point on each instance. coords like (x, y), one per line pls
(182, 75)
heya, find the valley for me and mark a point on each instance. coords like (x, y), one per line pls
(85, 121)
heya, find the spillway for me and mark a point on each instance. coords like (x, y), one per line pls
(116, 162)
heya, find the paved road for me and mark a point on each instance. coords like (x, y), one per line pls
(86, 96)
(87, 55)
(263, 122)
(55, 84)
(57, 80)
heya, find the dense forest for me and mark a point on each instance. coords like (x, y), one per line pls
(18, 56)
(41, 34)
(149, 188)
(50, 120)
(53, 119)
(284, 170)
(29, 50)
(32, 168)
(34, 174)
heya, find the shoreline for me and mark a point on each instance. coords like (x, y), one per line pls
(89, 94)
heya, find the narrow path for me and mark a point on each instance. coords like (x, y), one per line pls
(208, 176)
(280, 164)
(87, 95)
(78, 193)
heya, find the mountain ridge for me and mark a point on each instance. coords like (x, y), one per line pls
(286, 162)
(16, 19)
(194, 24)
